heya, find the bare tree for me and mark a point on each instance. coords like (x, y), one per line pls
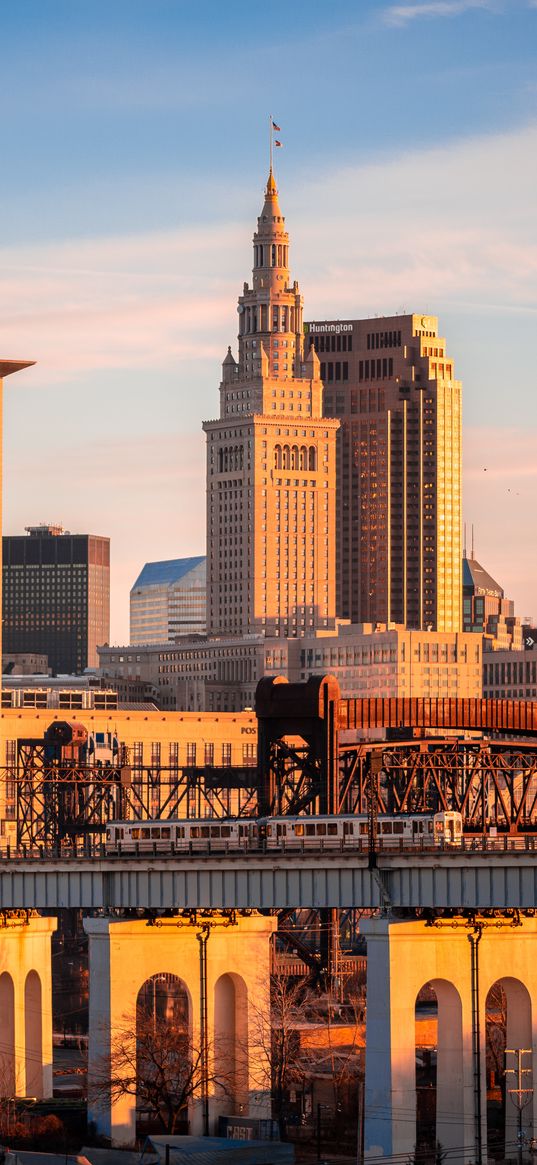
(278, 1061)
(161, 1066)
(496, 1008)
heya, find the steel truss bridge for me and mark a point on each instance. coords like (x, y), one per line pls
(312, 758)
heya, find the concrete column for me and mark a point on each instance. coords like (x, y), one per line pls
(26, 1006)
(123, 955)
(401, 958)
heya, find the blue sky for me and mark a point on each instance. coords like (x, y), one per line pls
(134, 140)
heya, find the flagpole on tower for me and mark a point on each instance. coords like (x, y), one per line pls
(271, 135)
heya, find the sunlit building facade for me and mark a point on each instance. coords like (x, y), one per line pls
(391, 384)
(271, 462)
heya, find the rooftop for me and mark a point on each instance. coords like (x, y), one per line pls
(167, 572)
(475, 577)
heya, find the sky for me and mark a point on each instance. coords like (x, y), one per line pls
(135, 153)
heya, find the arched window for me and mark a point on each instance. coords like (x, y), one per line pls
(294, 457)
(286, 457)
(274, 254)
(312, 458)
(303, 457)
(277, 456)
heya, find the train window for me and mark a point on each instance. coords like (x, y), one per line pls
(215, 831)
(195, 831)
(310, 830)
(225, 831)
(120, 833)
(386, 827)
(429, 826)
(180, 831)
(269, 830)
(135, 834)
(155, 832)
(398, 827)
(363, 828)
(347, 826)
(299, 830)
(109, 834)
(165, 831)
(332, 829)
(321, 829)
(145, 834)
(205, 831)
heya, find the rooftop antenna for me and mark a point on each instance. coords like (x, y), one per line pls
(464, 544)
(472, 539)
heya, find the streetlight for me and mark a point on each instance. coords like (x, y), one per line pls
(520, 1096)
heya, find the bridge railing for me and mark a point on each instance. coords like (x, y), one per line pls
(93, 849)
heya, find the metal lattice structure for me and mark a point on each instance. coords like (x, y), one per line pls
(310, 760)
(64, 800)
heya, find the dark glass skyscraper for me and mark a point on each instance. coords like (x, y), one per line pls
(56, 596)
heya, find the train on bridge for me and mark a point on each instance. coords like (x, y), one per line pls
(407, 831)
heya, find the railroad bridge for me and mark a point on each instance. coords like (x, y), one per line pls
(314, 756)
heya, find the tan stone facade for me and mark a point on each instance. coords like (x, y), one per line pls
(271, 473)
(392, 662)
(510, 674)
(222, 674)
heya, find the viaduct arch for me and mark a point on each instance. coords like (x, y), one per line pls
(462, 963)
(123, 955)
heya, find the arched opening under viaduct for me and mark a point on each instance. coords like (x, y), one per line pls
(7, 1036)
(439, 1061)
(167, 1066)
(508, 1029)
(231, 1042)
(33, 1030)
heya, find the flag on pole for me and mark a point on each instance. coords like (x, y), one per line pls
(276, 142)
(276, 127)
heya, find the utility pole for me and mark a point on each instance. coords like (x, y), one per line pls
(520, 1096)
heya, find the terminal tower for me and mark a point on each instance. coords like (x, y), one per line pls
(271, 462)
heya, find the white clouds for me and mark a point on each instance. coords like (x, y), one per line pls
(84, 305)
(129, 333)
(436, 227)
(399, 15)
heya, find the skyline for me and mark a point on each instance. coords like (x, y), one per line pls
(128, 302)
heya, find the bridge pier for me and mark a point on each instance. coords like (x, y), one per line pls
(26, 1005)
(123, 955)
(401, 958)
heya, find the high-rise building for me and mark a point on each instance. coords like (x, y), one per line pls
(391, 383)
(486, 609)
(168, 599)
(270, 462)
(56, 596)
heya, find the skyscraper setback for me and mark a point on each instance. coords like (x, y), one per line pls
(391, 384)
(270, 462)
